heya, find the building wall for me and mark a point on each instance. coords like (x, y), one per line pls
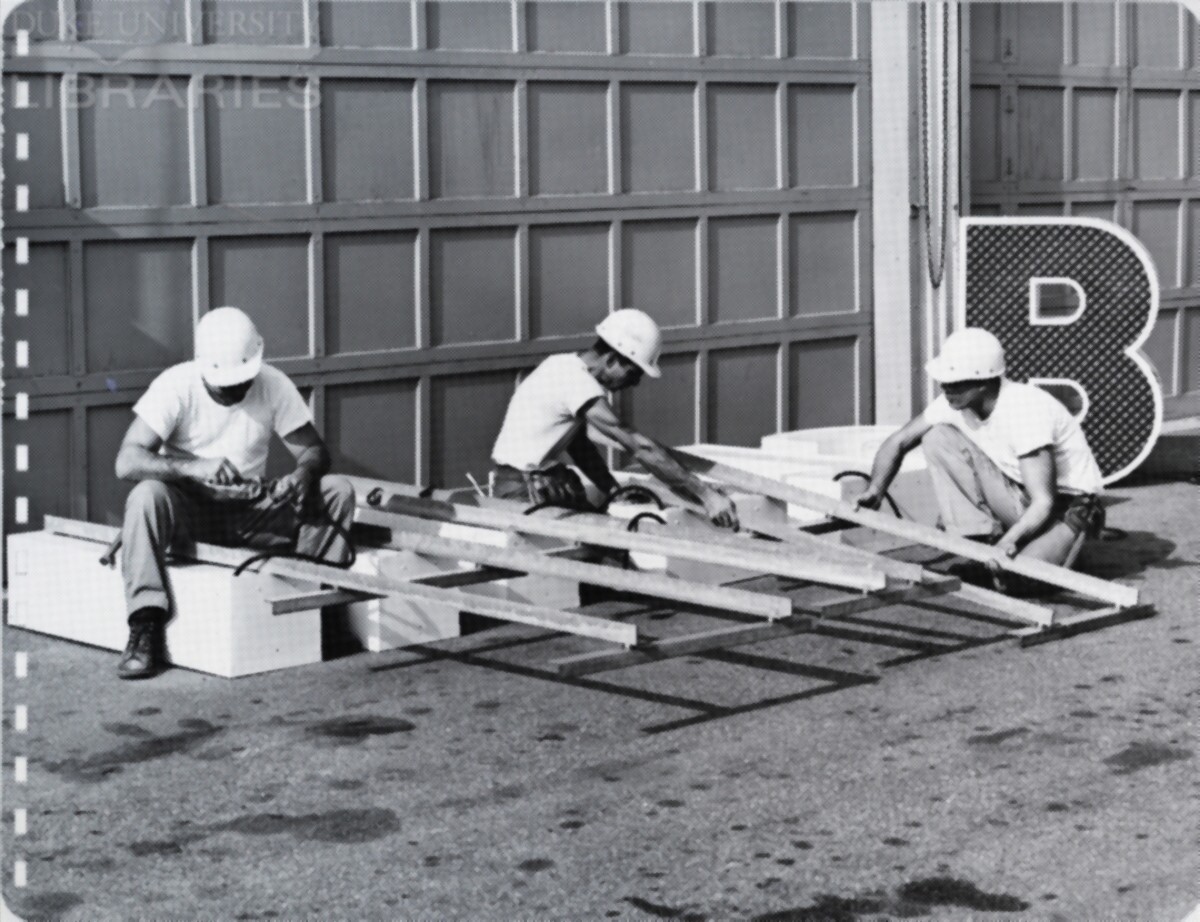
(476, 185)
(1093, 109)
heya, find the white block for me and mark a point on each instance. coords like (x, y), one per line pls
(221, 624)
(400, 621)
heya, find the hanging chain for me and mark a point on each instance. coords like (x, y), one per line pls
(936, 265)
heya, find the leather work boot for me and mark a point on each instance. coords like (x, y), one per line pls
(143, 656)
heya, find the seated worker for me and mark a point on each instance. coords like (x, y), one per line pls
(1009, 464)
(198, 448)
(552, 408)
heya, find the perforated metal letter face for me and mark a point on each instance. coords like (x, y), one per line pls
(1009, 261)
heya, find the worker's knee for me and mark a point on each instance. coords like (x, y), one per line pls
(941, 438)
(338, 495)
(148, 496)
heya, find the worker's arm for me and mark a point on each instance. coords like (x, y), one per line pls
(655, 458)
(138, 459)
(1039, 478)
(312, 463)
(888, 459)
(588, 459)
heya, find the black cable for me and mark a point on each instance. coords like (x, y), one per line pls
(292, 555)
(867, 477)
(633, 523)
(631, 490)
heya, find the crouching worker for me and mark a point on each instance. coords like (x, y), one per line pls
(1009, 464)
(551, 410)
(198, 448)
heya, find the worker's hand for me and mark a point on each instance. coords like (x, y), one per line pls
(294, 489)
(1008, 548)
(870, 498)
(212, 470)
(720, 508)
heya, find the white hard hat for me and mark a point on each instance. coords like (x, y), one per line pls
(229, 350)
(970, 354)
(635, 335)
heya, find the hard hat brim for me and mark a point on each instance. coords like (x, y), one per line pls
(238, 374)
(944, 375)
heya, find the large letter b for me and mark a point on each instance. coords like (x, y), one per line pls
(1112, 302)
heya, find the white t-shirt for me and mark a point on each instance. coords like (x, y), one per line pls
(1025, 419)
(544, 413)
(191, 424)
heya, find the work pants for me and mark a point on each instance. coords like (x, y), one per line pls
(976, 499)
(160, 516)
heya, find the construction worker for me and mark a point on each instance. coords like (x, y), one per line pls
(198, 448)
(1010, 465)
(551, 410)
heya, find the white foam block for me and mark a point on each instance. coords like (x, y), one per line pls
(221, 624)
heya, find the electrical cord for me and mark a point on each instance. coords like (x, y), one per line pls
(867, 477)
(293, 555)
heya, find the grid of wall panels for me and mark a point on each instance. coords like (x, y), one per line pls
(418, 202)
(1093, 110)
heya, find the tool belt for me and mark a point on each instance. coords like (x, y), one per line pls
(556, 485)
(1082, 512)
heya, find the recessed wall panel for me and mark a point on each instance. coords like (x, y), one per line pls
(741, 30)
(1191, 351)
(267, 277)
(1094, 133)
(658, 127)
(1156, 35)
(822, 149)
(666, 409)
(1160, 350)
(255, 141)
(1105, 211)
(253, 22)
(1094, 33)
(137, 303)
(566, 26)
(1156, 224)
(45, 279)
(367, 139)
(131, 22)
(1193, 212)
(743, 393)
(821, 30)
(366, 23)
(1040, 132)
(371, 429)
(743, 268)
(47, 482)
(741, 136)
(106, 427)
(568, 278)
(653, 27)
(568, 138)
(466, 413)
(823, 383)
(1156, 134)
(146, 115)
(469, 25)
(1041, 209)
(985, 32)
(985, 134)
(659, 263)
(824, 264)
(472, 285)
(1040, 34)
(1194, 119)
(470, 139)
(42, 121)
(370, 291)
